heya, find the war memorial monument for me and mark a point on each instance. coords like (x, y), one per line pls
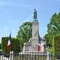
(35, 43)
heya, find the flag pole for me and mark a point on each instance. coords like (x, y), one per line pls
(9, 42)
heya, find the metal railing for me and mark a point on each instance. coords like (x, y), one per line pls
(24, 56)
(28, 56)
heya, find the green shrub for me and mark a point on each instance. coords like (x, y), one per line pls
(15, 45)
(4, 44)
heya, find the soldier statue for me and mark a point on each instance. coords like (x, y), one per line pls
(35, 14)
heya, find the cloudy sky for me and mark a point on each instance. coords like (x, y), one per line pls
(14, 12)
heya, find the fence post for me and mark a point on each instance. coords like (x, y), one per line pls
(11, 55)
(48, 56)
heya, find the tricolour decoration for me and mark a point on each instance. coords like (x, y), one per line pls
(9, 43)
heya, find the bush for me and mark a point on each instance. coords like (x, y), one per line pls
(4, 44)
(15, 45)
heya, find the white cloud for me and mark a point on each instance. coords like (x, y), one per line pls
(5, 3)
(11, 21)
(5, 28)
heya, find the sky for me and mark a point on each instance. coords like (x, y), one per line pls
(13, 13)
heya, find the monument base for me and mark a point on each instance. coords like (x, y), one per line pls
(34, 46)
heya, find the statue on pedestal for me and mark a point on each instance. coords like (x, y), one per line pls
(35, 14)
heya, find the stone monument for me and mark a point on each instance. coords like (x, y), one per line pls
(35, 43)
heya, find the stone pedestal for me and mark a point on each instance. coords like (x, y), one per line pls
(32, 45)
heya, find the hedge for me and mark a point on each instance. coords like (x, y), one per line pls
(15, 44)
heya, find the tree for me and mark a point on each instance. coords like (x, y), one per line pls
(0, 45)
(57, 46)
(25, 32)
(53, 27)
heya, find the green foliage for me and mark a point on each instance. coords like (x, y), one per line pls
(0, 45)
(53, 28)
(4, 44)
(25, 32)
(15, 44)
(57, 45)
